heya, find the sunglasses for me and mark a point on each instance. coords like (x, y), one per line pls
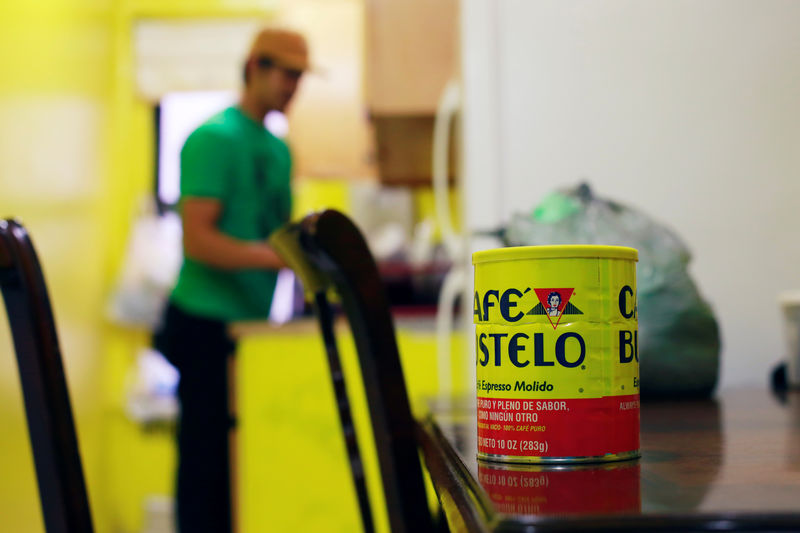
(267, 63)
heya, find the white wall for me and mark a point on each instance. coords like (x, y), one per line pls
(689, 110)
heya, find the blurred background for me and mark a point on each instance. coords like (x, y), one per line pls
(686, 110)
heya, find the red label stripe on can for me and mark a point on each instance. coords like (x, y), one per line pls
(569, 427)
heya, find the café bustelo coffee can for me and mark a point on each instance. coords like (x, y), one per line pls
(556, 336)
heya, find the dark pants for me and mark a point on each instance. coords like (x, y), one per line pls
(199, 348)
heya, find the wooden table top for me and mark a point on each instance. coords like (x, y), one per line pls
(737, 456)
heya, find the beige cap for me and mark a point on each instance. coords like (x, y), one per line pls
(285, 47)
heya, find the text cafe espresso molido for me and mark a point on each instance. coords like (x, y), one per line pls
(557, 356)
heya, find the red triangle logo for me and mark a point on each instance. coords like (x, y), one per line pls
(554, 302)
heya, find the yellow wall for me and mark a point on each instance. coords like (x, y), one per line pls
(294, 474)
(55, 93)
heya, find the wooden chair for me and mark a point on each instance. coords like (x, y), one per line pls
(62, 491)
(327, 251)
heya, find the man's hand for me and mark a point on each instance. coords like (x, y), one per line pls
(203, 242)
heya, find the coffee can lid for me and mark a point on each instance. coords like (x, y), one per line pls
(558, 251)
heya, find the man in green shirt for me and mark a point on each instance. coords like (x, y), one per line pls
(235, 191)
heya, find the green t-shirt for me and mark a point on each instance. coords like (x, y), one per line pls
(236, 160)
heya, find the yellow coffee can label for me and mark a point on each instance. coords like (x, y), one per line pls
(556, 336)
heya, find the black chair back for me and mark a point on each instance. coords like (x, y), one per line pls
(327, 251)
(62, 490)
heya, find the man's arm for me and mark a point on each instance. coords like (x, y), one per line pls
(203, 242)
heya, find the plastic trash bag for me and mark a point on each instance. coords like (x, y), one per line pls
(152, 389)
(152, 261)
(678, 335)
